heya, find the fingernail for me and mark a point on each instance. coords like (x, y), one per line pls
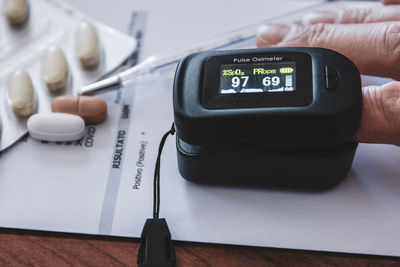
(320, 17)
(272, 34)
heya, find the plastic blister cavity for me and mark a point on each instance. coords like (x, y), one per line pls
(87, 45)
(21, 94)
(55, 69)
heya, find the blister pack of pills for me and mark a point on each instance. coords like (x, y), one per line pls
(49, 48)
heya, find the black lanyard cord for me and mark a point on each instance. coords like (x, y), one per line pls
(156, 247)
(156, 185)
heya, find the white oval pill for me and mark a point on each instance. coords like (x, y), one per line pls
(87, 45)
(21, 94)
(55, 69)
(16, 11)
(56, 127)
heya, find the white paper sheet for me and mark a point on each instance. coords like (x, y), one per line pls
(79, 188)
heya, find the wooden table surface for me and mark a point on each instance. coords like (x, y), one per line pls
(23, 248)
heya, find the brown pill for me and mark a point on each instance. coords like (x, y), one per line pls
(93, 110)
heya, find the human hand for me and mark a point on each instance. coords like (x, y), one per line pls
(370, 37)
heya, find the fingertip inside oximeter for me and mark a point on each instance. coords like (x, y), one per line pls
(279, 117)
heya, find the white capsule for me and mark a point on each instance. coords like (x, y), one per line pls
(54, 127)
(21, 94)
(55, 69)
(87, 45)
(16, 11)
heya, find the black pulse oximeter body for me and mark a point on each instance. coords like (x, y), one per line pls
(279, 117)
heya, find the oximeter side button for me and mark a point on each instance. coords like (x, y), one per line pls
(331, 78)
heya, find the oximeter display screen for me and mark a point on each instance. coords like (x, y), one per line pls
(257, 81)
(258, 78)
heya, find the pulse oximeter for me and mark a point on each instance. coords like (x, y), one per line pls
(282, 117)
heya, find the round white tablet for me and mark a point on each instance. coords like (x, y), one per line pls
(55, 127)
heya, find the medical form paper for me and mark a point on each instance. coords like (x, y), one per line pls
(103, 184)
